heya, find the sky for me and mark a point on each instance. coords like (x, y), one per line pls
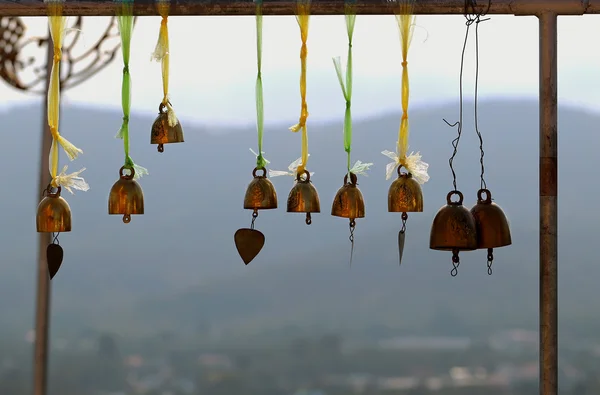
(213, 65)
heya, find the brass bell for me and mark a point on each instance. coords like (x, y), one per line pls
(405, 194)
(348, 201)
(303, 197)
(162, 132)
(453, 229)
(260, 194)
(493, 230)
(126, 196)
(53, 213)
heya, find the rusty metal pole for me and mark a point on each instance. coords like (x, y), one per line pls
(42, 313)
(548, 205)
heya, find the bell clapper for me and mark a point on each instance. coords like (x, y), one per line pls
(490, 260)
(308, 219)
(126, 218)
(161, 148)
(455, 263)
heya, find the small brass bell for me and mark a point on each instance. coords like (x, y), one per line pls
(453, 229)
(162, 132)
(405, 194)
(53, 213)
(348, 201)
(303, 197)
(493, 230)
(260, 194)
(126, 196)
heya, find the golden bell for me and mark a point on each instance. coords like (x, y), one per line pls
(492, 225)
(53, 213)
(303, 197)
(453, 227)
(126, 196)
(405, 195)
(260, 194)
(348, 201)
(162, 132)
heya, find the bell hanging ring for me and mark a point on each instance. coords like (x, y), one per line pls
(303, 198)
(162, 132)
(405, 194)
(453, 229)
(53, 213)
(126, 196)
(260, 194)
(493, 229)
(348, 201)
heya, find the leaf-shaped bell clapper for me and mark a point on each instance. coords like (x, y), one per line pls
(348, 201)
(126, 196)
(53, 213)
(493, 229)
(303, 197)
(405, 194)
(162, 132)
(260, 194)
(453, 229)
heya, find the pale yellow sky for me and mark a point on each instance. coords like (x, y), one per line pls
(213, 63)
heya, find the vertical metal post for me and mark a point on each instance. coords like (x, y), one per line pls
(42, 314)
(548, 188)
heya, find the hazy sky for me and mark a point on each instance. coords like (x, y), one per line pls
(213, 65)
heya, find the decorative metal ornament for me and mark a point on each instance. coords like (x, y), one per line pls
(304, 198)
(162, 132)
(126, 196)
(53, 213)
(493, 229)
(53, 216)
(260, 195)
(29, 75)
(453, 229)
(404, 196)
(349, 203)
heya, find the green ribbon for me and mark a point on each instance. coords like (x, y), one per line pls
(125, 25)
(261, 162)
(347, 88)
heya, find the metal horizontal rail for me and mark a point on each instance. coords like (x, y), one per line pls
(287, 7)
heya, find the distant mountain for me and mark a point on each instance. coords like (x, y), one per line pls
(176, 267)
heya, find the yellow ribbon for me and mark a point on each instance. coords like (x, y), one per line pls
(303, 16)
(57, 24)
(405, 20)
(161, 54)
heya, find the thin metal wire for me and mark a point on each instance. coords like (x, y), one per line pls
(254, 216)
(478, 20)
(472, 17)
(455, 263)
(490, 260)
(351, 238)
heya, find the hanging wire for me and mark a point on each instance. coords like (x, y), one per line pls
(471, 16)
(55, 238)
(478, 20)
(254, 216)
(351, 238)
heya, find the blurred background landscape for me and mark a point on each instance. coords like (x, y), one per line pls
(165, 306)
